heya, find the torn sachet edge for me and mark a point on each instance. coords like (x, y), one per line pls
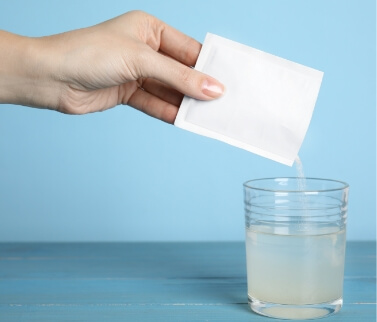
(239, 144)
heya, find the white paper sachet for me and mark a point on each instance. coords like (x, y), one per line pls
(267, 105)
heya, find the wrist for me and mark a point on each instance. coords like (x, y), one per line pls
(26, 72)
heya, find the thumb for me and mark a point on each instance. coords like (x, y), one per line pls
(181, 77)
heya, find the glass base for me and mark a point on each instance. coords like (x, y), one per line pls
(295, 312)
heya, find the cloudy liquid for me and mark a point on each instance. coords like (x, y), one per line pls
(295, 269)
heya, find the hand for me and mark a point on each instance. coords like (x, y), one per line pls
(133, 59)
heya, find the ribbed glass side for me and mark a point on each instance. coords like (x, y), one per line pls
(295, 212)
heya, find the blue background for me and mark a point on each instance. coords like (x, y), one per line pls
(123, 176)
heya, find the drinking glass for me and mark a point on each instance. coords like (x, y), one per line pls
(295, 246)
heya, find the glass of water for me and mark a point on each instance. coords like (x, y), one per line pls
(295, 246)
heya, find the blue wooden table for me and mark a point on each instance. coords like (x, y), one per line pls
(151, 282)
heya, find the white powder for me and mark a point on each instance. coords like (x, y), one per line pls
(301, 181)
(301, 187)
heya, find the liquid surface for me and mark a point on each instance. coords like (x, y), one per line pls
(295, 269)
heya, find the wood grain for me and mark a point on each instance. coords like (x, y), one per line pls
(151, 282)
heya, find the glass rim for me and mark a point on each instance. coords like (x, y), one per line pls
(248, 184)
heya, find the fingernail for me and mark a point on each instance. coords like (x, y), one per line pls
(212, 88)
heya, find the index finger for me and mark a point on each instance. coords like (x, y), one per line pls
(178, 45)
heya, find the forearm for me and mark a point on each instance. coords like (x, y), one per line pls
(26, 77)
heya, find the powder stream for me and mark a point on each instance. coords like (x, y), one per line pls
(301, 187)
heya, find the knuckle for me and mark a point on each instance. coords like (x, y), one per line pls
(186, 75)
